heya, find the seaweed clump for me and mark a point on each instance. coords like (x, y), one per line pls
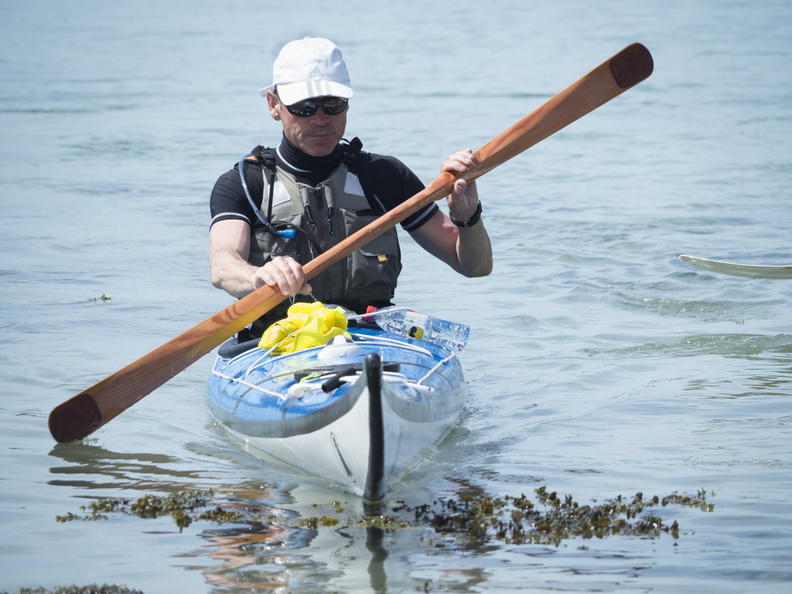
(477, 518)
(182, 506)
(516, 520)
(92, 589)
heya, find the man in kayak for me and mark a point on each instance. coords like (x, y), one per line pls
(280, 208)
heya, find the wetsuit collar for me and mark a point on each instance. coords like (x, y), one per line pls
(292, 158)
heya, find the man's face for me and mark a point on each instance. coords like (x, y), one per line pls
(316, 135)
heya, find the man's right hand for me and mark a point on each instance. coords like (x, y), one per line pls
(282, 272)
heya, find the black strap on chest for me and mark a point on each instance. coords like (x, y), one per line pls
(267, 158)
(357, 162)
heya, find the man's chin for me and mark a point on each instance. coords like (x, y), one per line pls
(320, 146)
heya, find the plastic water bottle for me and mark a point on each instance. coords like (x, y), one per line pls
(405, 322)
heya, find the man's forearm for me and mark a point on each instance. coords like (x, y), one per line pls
(231, 273)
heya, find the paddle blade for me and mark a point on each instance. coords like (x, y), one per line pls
(75, 418)
(84, 413)
(611, 78)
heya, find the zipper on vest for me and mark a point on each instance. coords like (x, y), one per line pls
(322, 226)
(310, 216)
(330, 201)
(330, 212)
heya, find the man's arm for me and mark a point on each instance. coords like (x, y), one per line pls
(229, 248)
(466, 249)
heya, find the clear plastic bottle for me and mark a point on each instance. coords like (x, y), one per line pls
(405, 322)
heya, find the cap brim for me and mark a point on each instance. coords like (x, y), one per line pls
(300, 91)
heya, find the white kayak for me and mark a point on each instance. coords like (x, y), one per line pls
(357, 412)
(742, 270)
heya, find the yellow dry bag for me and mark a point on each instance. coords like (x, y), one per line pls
(306, 325)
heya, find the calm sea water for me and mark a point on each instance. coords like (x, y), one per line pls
(599, 364)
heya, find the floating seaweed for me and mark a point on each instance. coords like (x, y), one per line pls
(92, 589)
(181, 506)
(475, 518)
(515, 520)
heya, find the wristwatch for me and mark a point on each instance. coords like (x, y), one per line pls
(471, 221)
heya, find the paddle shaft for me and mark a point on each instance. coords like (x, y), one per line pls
(90, 409)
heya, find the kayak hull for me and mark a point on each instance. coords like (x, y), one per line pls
(359, 414)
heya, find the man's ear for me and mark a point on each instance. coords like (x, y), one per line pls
(273, 103)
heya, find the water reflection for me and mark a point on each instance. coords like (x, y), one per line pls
(129, 470)
(257, 556)
(266, 553)
(265, 557)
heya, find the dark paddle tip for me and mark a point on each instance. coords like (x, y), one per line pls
(75, 419)
(631, 65)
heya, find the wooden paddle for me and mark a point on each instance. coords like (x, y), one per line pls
(90, 409)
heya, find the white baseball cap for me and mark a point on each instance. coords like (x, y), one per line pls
(307, 68)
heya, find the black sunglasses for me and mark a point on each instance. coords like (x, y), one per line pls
(307, 108)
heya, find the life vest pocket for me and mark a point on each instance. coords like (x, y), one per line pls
(264, 245)
(374, 268)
